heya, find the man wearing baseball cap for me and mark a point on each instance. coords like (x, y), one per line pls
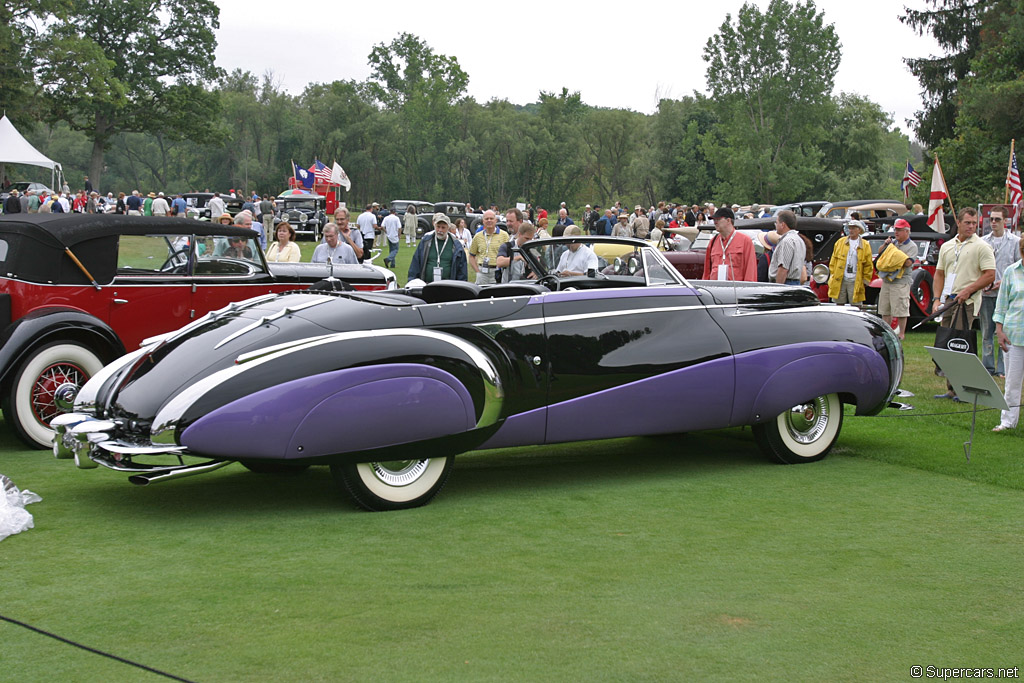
(730, 254)
(894, 297)
(439, 256)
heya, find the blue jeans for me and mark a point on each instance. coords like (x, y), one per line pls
(994, 365)
(393, 254)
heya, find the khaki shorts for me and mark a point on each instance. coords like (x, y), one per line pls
(846, 289)
(894, 300)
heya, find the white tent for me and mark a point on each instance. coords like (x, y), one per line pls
(15, 149)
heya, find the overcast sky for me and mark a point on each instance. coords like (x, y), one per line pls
(616, 54)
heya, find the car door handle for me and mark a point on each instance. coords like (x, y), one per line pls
(120, 301)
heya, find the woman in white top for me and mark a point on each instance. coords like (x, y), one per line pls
(285, 248)
(410, 222)
(462, 232)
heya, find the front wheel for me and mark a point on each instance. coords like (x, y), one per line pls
(44, 387)
(396, 484)
(804, 433)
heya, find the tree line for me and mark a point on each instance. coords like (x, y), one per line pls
(974, 92)
(161, 116)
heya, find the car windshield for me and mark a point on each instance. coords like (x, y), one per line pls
(612, 257)
(301, 204)
(703, 239)
(224, 255)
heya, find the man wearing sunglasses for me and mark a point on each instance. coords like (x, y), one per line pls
(1004, 246)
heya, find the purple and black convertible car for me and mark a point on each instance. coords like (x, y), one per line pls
(387, 387)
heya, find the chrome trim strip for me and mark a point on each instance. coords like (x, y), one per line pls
(527, 322)
(268, 319)
(232, 307)
(125, 448)
(845, 310)
(259, 353)
(166, 420)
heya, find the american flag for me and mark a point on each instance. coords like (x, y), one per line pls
(1013, 182)
(322, 173)
(910, 179)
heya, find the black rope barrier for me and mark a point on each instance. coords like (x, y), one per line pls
(93, 650)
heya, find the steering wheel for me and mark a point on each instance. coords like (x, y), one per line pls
(550, 281)
(175, 261)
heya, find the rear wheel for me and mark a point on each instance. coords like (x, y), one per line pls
(395, 484)
(804, 433)
(45, 386)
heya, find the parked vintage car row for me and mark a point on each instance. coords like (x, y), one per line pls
(824, 233)
(79, 290)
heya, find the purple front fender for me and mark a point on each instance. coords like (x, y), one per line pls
(344, 411)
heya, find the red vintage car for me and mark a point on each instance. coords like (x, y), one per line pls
(79, 290)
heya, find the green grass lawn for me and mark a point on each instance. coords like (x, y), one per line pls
(669, 558)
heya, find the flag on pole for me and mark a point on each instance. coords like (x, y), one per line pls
(339, 177)
(320, 171)
(302, 176)
(911, 178)
(938, 196)
(1013, 183)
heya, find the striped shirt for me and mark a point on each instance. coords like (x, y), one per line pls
(789, 254)
(1010, 304)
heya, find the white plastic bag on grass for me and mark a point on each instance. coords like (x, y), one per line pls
(14, 518)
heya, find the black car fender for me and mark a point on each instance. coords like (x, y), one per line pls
(47, 325)
(285, 400)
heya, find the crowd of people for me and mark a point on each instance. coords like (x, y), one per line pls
(984, 275)
(90, 201)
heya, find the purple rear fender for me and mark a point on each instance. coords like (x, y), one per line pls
(343, 411)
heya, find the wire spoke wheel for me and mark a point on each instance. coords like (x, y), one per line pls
(45, 386)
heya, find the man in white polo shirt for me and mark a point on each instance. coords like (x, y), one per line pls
(578, 258)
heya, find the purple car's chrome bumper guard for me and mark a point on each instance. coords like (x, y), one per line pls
(88, 440)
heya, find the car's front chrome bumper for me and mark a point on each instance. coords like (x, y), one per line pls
(92, 442)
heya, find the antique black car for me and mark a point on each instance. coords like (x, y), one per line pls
(198, 204)
(454, 211)
(78, 290)
(386, 388)
(306, 213)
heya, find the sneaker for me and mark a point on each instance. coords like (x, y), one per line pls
(949, 395)
(1001, 428)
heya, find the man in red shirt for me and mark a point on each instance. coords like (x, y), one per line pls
(730, 255)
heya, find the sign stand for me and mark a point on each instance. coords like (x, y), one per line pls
(969, 377)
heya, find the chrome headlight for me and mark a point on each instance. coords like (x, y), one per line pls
(820, 273)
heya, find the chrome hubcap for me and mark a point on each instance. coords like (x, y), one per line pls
(399, 472)
(807, 422)
(55, 390)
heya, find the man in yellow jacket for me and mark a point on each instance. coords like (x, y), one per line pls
(850, 267)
